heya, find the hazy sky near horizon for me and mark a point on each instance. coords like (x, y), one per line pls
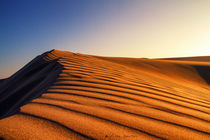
(126, 28)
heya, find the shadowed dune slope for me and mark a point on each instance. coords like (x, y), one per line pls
(2, 81)
(63, 95)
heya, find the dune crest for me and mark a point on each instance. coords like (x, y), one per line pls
(64, 95)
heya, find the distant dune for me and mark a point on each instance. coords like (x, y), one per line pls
(64, 95)
(197, 58)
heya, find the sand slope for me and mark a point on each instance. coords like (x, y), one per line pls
(77, 96)
(196, 58)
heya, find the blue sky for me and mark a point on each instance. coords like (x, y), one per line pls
(130, 28)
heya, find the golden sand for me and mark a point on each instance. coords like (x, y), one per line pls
(116, 98)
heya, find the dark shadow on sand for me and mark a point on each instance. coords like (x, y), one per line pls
(26, 84)
(204, 72)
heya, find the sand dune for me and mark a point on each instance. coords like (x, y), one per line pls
(63, 95)
(196, 58)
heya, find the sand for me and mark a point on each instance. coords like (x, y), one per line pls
(64, 95)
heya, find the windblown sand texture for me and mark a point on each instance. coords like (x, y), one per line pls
(105, 98)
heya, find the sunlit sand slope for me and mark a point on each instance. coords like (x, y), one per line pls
(105, 98)
(197, 58)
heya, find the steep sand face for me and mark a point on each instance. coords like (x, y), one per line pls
(28, 83)
(115, 98)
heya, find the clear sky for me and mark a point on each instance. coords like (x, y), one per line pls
(126, 28)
